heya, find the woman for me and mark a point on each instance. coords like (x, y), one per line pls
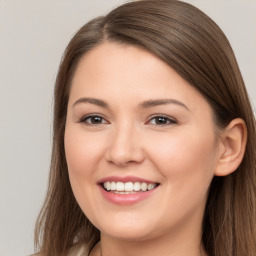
(154, 140)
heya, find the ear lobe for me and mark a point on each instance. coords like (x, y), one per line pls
(233, 140)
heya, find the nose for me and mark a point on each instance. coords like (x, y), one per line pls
(125, 147)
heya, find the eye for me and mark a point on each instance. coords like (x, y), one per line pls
(161, 120)
(93, 120)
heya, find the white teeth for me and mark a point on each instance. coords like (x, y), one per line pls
(128, 187)
(120, 186)
(136, 186)
(151, 186)
(144, 186)
(112, 185)
(107, 185)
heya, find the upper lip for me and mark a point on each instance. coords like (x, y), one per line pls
(124, 179)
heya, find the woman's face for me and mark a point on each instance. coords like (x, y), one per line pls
(137, 128)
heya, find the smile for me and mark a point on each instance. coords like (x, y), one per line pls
(128, 187)
(127, 190)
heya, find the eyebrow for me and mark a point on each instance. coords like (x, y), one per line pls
(94, 101)
(158, 102)
(145, 104)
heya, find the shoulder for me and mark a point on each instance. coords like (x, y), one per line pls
(75, 250)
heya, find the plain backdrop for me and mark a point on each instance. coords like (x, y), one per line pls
(33, 36)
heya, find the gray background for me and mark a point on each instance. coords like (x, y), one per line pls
(33, 35)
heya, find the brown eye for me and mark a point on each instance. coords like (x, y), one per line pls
(93, 120)
(161, 120)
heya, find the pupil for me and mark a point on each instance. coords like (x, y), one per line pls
(96, 120)
(161, 120)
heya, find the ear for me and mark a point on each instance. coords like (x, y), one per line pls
(232, 147)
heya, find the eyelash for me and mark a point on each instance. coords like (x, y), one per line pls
(166, 119)
(85, 119)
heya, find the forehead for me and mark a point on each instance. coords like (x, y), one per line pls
(113, 71)
(119, 61)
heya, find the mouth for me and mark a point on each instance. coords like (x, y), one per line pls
(127, 190)
(129, 187)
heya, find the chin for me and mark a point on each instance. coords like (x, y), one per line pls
(128, 230)
(129, 235)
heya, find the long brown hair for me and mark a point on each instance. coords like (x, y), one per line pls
(192, 44)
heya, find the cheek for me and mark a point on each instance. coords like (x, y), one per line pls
(83, 152)
(186, 164)
(187, 160)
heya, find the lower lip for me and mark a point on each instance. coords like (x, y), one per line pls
(126, 199)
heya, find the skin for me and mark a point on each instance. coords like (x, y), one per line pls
(182, 154)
